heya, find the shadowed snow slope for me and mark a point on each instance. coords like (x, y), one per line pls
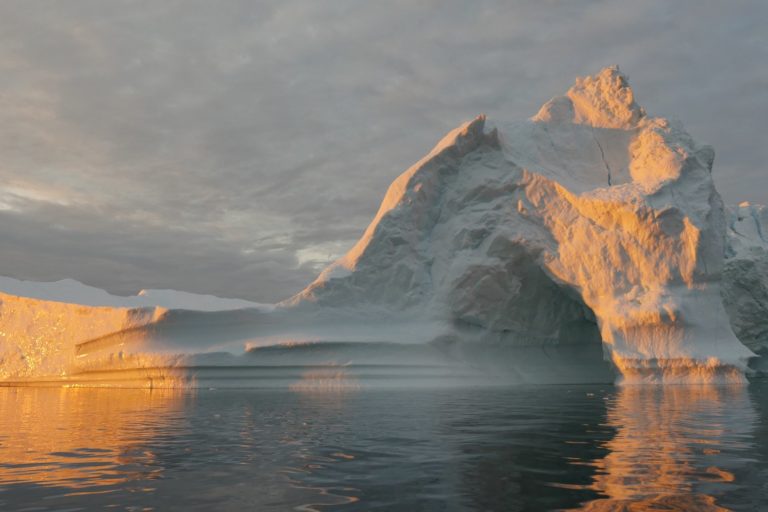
(508, 247)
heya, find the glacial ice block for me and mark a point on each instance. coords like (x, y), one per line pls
(591, 212)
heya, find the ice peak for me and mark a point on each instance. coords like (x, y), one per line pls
(463, 138)
(604, 100)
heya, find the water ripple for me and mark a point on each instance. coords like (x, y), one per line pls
(340, 448)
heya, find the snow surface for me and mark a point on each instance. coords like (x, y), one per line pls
(591, 230)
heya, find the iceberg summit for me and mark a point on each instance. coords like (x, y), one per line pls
(586, 244)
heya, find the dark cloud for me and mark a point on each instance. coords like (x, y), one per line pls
(234, 147)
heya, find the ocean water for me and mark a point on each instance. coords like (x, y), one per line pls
(457, 448)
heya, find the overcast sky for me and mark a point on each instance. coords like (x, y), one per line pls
(235, 147)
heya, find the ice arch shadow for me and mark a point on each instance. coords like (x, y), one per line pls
(514, 320)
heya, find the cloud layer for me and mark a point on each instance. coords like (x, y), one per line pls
(234, 147)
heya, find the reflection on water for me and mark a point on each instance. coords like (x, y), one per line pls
(544, 448)
(82, 438)
(675, 448)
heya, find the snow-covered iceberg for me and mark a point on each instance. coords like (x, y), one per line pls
(588, 232)
(590, 217)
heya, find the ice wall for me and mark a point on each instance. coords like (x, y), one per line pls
(38, 338)
(58, 330)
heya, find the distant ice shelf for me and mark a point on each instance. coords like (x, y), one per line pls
(74, 292)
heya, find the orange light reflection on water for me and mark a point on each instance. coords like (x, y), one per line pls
(50, 435)
(664, 455)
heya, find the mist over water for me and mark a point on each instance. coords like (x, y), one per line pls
(470, 448)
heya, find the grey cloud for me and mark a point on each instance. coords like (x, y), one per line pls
(210, 146)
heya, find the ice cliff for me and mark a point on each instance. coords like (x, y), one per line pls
(589, 225)
(45, 327)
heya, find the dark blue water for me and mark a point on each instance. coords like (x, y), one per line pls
(544, 448)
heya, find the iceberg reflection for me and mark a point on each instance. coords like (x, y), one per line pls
(666, 454)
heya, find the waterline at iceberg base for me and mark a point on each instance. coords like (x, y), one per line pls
(586, 244)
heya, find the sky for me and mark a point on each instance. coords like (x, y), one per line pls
(236, 147)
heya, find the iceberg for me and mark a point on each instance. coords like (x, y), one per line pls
(591, 218)
(589, 237)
